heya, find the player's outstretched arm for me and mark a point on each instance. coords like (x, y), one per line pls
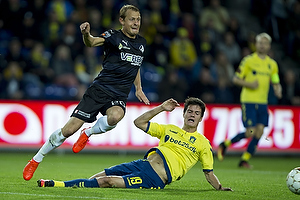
(214, 181)
(138, 89)
(243, 83)
(142, 121)
(88, 39)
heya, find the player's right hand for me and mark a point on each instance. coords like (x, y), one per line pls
(85, 28)
(142, 97)
(254, 84)
(170, 105)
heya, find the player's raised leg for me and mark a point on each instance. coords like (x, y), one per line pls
(103, 124)
(82, 141)
(54, 141)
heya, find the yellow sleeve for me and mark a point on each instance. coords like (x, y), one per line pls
(242, 69)
(156, 130)
(206, 158)
(275, 77)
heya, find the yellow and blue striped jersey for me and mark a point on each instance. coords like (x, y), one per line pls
(254, 68)
(181, 150)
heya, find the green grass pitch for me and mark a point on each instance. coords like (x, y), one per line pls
(265, 181)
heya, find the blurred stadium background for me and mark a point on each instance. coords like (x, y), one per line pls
(193, 49)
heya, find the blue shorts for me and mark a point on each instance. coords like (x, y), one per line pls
(253, 114)
(137, 174)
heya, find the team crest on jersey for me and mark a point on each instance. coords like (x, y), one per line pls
(106, 34)
(142, 48)
(192, 139)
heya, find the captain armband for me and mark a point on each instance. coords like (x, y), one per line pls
(275, 78)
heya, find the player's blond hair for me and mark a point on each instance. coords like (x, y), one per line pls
(263, 35)
(124, 9)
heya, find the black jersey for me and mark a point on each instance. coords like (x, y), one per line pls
(123, 58)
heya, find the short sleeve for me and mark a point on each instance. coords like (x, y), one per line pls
(109, 37)
(242, 69)
(156, 130)
(206, 158)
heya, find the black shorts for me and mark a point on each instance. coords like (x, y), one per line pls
(94, 101)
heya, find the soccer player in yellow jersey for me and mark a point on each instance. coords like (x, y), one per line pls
(254, 75)
(178, 151)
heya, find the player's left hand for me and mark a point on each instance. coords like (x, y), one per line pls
(278, 90)
(142, 97)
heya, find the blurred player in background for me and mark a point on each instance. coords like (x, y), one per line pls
(178, 151)
(254, 75)
(124, 50)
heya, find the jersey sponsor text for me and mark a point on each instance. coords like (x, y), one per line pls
(134, 59)
(181, 143)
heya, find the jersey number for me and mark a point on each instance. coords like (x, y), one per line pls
(134, 180)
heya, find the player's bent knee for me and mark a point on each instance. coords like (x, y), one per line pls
(114, 115)
(98, 175)
(259, 134)
(250, 133)
(114, 119)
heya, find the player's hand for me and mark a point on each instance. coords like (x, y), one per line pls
(278, 94)
(170, 105)
(278, 90)
(85, 28)
(142, 97)
(254, 84)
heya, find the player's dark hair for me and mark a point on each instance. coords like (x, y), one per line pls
(124, 9)
(194, 101)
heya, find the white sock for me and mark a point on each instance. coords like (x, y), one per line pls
(101, 126)
(54, 141)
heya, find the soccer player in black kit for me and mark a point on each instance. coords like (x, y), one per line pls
(123, 50)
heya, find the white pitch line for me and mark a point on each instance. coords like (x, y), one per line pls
(47, 195)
